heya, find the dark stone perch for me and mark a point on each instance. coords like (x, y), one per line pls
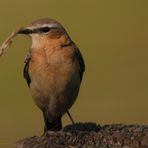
(90, 135)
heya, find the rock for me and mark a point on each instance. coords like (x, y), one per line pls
(90, 135)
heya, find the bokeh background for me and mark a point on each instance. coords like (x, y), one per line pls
(113, 38)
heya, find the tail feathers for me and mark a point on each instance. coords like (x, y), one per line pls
(55, 125)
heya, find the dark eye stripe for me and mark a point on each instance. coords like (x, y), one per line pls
(43, 30)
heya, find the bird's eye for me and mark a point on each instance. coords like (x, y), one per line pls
(45, 29)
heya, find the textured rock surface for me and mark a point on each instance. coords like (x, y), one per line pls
(90, 135)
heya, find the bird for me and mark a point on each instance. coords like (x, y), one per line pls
(53, 69)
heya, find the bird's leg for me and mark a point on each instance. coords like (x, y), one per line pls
(45, 115)
(70, 117)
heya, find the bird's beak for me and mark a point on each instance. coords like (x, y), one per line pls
(25, 31)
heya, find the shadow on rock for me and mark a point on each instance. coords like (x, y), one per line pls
(85, 127)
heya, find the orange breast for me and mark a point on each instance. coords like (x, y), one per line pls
(55, 79)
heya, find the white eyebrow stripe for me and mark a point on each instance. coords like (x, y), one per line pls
(50, 25)
(32, 27)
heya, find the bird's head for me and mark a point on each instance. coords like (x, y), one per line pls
(44, 31)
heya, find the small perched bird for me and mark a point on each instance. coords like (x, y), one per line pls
(53, 70)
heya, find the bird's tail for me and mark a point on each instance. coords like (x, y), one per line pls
(54, 125)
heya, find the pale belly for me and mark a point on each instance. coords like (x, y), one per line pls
(55, 89)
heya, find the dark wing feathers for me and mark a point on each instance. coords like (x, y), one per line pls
(81, 62)
(26, 68)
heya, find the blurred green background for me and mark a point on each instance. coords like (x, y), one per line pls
(113, 38)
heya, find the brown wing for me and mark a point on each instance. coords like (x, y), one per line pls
(26, 68)
(81, 62)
